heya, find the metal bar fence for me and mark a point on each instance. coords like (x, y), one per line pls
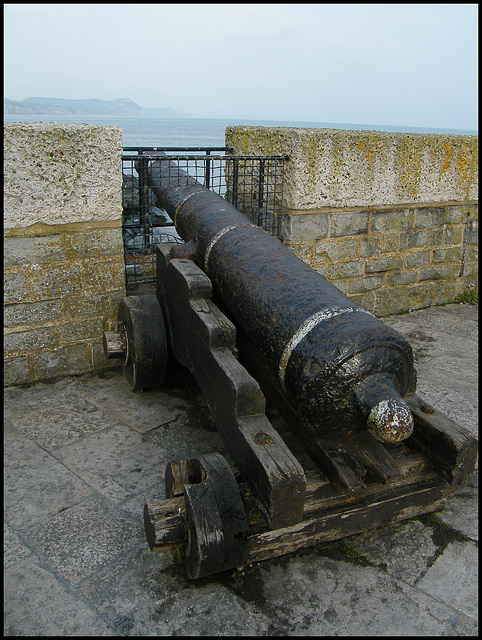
(253, 184)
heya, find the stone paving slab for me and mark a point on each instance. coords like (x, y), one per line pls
(164, 603)
(14, 549)
(36, 485)
(78, 541)
(461, 512)
(137, 410)
(319, 596)
(116, 461)
(453, 578)
(37, 603)
(403, 550)
(83, 454)
(444, 341)
(55, 418)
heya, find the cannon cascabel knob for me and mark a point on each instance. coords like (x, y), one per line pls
(390, 420)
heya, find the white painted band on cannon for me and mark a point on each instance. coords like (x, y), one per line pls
(191, 195)
(218, 236)
(305, 328)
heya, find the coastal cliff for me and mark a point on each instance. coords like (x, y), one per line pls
(93, 107)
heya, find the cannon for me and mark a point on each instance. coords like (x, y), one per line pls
(252, 321)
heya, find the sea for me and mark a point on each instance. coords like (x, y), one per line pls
(202, 132)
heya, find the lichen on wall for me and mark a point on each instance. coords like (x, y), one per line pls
(63, 250)
(345, 168)
(388, 217)
(61, 173)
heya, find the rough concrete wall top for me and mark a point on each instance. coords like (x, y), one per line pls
(57, 173)
(347, 168)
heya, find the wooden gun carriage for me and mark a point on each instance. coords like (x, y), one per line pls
(252, 321)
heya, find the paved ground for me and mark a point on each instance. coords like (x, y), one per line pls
(83, 455)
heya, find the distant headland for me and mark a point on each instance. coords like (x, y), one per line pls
(92, 107)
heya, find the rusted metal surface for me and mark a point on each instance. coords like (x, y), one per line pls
(343, 369)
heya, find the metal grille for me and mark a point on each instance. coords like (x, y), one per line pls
(253, 184)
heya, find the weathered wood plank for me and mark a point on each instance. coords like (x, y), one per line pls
(164, 523)
(337, 462)
(323, 524)
(337, 525)
(378, 463)
(205, 548)
(321, 501)
(321, 498)
(215, 519)
(203, 339)
(114, 344)
(177, 474)
(451, 449)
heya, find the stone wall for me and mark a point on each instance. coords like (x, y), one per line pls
(390, 218)
(63, 255)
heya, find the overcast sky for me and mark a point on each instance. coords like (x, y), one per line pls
(386, 64)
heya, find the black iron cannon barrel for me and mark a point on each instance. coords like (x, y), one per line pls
(342, 368)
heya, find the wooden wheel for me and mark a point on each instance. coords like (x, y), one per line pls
(145, 358)
(215, 516)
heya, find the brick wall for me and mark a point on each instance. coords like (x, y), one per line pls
(390, 218)
(63, 256)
